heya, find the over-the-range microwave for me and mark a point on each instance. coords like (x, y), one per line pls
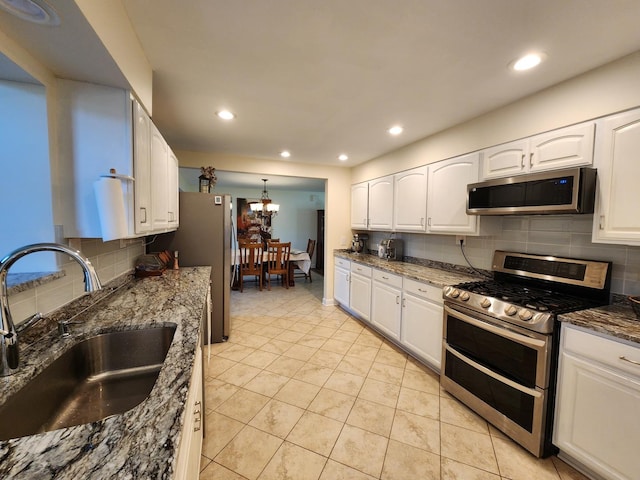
(559, 191)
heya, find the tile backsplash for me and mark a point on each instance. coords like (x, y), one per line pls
(559, 235)
(110, 261)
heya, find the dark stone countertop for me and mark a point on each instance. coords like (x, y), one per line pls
(435, 274)
(142, 442)
(618, 320)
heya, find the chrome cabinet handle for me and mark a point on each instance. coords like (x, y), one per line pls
(531, 160)
(625, 359)
(144, 209)
(397, 300)
(522, 162)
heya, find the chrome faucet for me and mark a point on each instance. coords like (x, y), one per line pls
(9, 353)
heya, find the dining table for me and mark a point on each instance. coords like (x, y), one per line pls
(299, 258)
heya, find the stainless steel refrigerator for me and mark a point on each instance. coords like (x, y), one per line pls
(205, 237)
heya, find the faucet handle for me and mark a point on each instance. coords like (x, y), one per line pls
(29, 322)
(63, 327)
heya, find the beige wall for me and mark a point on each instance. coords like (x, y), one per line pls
(608, 89)
(337, 194)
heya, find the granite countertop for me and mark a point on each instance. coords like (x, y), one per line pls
(615, 320)
(437, 276)
(142, 442)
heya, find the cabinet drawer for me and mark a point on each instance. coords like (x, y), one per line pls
(423, 290)
(341, 262)
(387, 278)
(607, 351)
(361, 269)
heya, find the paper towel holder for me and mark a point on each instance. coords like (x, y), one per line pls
(114, 174)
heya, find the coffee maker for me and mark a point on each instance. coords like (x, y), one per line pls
(390, 249)
(358, 244)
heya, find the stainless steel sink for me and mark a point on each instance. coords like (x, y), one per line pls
(98, 377)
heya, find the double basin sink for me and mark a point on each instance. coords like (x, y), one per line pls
(100, 376)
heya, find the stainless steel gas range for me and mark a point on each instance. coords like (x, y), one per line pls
(500, 345)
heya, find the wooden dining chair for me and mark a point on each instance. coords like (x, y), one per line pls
(251, 262)
(278, 262)
(311, 247)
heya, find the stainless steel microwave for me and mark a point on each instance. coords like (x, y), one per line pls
(559, 191)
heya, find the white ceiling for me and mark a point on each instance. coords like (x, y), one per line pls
(330, 76)
(324, 77)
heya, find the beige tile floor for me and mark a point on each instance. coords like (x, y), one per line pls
(303, 391)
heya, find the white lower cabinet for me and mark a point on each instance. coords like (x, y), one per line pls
(405, 311)
(360, 291)
(597, 426)
(386, 303)
(341, 272)
(190, 446)
(422, 318)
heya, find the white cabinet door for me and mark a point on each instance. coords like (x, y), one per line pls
(616, 218)
(360, 291)
(506, 159)
(596, 420)
(173, 187)
(410, 200)
(386, 310)
(159, 185)
(422, 329)
(142, 168)
(190, 446)
(386, 303)
(360, 205)
(381, 203)
(341, 285)
(447, 195)
(563, 148)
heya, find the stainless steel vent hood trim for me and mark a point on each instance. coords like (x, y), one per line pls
(581, 200)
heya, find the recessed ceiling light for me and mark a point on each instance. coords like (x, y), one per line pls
(343, 157)
(395, 130)
(225, 115)
(35, 11)
(527, 62)
(285, 154)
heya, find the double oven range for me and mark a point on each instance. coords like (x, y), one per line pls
(500, 346)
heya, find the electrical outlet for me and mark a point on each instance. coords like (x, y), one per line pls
(461, 238)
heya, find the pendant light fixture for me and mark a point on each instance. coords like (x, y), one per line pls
(265, 207)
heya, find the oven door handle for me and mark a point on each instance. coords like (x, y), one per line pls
(503, 332)
(492, 374)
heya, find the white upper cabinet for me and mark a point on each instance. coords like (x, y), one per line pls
(159, 181)
(447, 195)
(563, 148)
(566, 147)
(410, 200)
(506, 159)
(103, 128)
(381, 203)
(173, 189)
(360, 205)
(142, 168)
(616, 218)
(94, 136)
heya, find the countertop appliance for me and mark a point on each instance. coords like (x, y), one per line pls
(571, 190)
(205, 237)
(390, 249)
(359, 242)
(500, 346)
